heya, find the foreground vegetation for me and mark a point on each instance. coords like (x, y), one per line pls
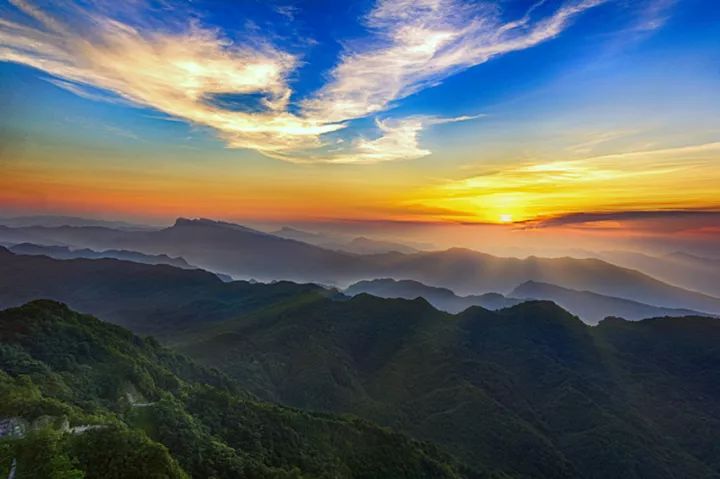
(529, 390)
(95, 401)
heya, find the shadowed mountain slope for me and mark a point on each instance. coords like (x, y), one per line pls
(156, 299)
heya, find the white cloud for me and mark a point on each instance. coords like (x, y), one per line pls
(176, 73)
(414, 44)
(421, 42)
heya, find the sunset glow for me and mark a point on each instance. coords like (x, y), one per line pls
(430, 112)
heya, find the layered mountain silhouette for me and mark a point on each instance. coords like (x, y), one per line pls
(682, 269)
(147, 298)
(246, 253)
(441, 298)
(63, 252)
(593, 307)
(527, 391)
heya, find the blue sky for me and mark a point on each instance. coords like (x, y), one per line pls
(639, 49)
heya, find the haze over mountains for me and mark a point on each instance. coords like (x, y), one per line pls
(63, 252)
(683, 269)
(593, 307)
(590, 307)
(380, 239)
(526, 391)
(247, 253)
(53, 221)
(441, 298)
(358, 245)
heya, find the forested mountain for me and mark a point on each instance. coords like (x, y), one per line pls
(529, 390)
(155, 299)
(87, 399)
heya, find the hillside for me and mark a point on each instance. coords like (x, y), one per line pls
(442, 298)
(529, 390)
(592, 307)
(152, 299)
(92, 400)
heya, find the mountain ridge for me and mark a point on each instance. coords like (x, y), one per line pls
(248, 254)
(442, 298)
(594, 307)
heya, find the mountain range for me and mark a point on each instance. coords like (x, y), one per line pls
(593, 307)
(63, 252)
(590, 307)
(441, 298)
(146, 298)
(526, 391)
(246, 253)
(357, 245)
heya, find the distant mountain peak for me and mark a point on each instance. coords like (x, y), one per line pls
(195, 222)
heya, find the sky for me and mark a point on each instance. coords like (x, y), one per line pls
(598, 117)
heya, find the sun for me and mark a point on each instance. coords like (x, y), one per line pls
(506, 218)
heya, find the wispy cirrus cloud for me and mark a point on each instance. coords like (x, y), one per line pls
(84, 92)
(176, 73)
(413, 45)
(420, 43)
